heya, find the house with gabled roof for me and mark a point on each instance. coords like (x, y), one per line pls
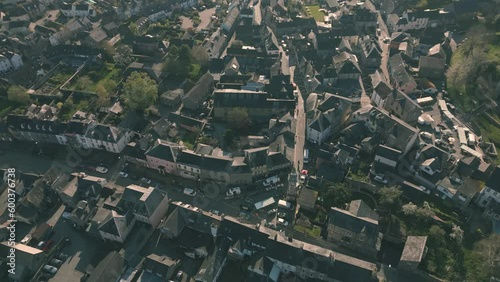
(107, 137)
(381, 88)
(81, 187)
(149, 205)
(117, 227)
(347, 66)
(357, 232)
(185, 215)
(162, 156)
(399, 75)
(395, 132)
(402, 106)
(161, 266)
(328, 113)
(370, 52)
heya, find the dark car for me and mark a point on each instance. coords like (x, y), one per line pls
(47, 245)
(61, 256)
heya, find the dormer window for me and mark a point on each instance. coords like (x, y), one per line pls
(50, 127)
(22, 125)
(29, 126)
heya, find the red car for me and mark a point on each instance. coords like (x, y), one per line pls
(90, 168)
(47, 245)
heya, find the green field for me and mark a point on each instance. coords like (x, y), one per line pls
(315, 13)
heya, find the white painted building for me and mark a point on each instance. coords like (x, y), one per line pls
(105, 137)
(77, 9)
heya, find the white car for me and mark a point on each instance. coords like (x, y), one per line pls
(426, 134)
(380, 179)
(66, 215)
(282, 222)
(189, 192)
(50, 269)
(26, 239)
(146, 180)
(123, 174)
(101, 169)
(302, 178)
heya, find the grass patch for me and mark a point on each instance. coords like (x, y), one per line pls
(314, 231)
(489, 132)
(315, 13)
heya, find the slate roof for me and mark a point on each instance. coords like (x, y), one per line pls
(360, 209)
(185, 120)
(346, 63)
(116, 222)
(257, 156)
(232, 228)
(494, 180)
(105, 133)
(380, 85)
(163, 150)
(398, 71)
(388, 152)
(200, 91)
(346, 220)
(109, 269)
(159, 264)
(24, 123)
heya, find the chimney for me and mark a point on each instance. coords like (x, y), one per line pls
(290, 239)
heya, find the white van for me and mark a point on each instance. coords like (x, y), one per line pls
(306, 156)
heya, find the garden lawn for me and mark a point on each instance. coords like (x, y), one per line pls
(315, 231)
(315, 13)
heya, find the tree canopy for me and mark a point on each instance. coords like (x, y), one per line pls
(123, 55)
(179, 64)
(390, 198)
(139, 91)
(337, 195)
(238, 119)
(18, 94)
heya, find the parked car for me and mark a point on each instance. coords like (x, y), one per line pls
(426, 134)
(146, 180)
(90, 168)
(123, 174)
(47, 245)
(302, 178)
(50, 269)
(380, 179)
(26, 239)
(61, 256)
(40, 245)
(66, 215)
(216, 212)
(246, 207)
(282, 221)
(189, 192)
(101, 169)
(273, 211)
(56, 262)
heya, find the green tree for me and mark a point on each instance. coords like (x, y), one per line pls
(83, 83)
(181, 64)
(123, 56)
(139, 91)
(238, 119)
(133, 29)
(18, 94)
(337, 195)
(390, 198)
(228, 137)
(200, 55)
(103, 98)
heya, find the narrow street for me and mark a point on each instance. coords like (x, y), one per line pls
(300, 130)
